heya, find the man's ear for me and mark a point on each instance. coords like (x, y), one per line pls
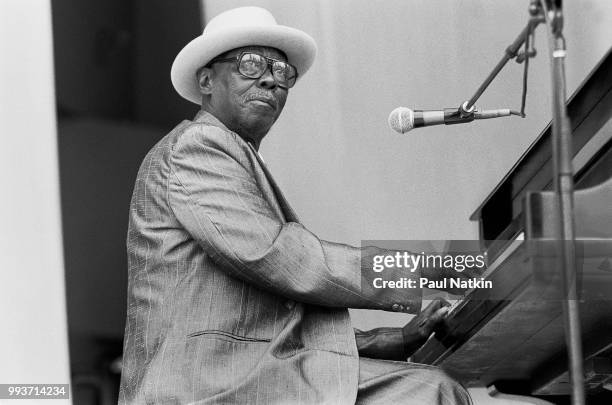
(204, 76)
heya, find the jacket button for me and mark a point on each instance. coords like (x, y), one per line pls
(397, 307)
(289, 304)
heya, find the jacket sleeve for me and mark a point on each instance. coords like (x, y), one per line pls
(216, 198)
(382, 343)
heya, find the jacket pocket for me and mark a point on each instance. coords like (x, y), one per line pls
(220, 334)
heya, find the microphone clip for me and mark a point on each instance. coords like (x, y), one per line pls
(463, 113)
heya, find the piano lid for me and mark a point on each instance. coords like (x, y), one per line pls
(589, 109)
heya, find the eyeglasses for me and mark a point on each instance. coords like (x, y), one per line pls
(254, 65)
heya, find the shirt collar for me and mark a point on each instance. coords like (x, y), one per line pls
(205, 117)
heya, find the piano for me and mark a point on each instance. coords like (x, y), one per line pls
(512, 336)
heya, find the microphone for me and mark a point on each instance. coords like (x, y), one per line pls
(404, 119)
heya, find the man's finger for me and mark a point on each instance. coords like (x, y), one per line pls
(443, 302)
(434, 306)
(431, 320)
(441, 313)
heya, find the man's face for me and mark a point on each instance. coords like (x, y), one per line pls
(247, 106)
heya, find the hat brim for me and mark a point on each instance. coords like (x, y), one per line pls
(299, 47)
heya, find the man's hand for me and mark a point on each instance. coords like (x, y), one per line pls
(418, 330)
(399, 343)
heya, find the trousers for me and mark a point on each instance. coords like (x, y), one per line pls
(396, 382)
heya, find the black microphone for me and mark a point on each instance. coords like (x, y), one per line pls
(404, 119)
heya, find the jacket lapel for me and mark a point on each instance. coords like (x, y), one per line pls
(289, 213)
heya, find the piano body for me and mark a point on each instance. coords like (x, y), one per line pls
(513, 335)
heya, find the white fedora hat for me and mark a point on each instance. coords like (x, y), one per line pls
(236, 28)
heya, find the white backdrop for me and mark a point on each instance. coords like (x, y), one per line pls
(33, 333)
(347, 174)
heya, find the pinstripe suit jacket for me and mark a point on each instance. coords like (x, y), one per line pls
(230, 298)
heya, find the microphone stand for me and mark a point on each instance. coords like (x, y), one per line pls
(467, 109)
(564, 189)
(550, 11)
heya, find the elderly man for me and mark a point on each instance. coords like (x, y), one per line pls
(231, 299)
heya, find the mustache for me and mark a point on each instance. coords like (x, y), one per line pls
(262, 96)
